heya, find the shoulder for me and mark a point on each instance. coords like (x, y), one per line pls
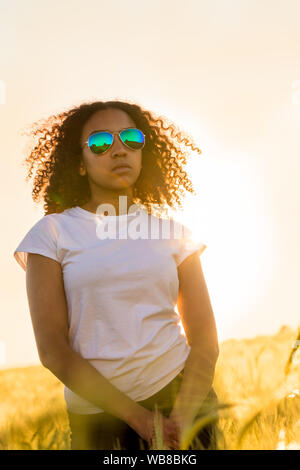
(47, 223)
(53, 221)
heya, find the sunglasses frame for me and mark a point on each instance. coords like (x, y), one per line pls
(113, 134)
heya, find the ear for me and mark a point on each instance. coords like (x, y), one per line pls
(82, 169)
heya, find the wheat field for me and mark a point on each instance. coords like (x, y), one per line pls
(257, 381)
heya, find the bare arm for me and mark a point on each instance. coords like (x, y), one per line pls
(49, 315)
(199, 324)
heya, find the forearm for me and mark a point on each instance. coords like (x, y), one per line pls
(85, 380)
(196, 383)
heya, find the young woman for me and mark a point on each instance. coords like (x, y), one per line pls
(103, 275)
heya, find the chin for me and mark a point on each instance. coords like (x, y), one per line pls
(120, 184)
(123, 180)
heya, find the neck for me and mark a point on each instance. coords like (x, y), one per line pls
(121, 201)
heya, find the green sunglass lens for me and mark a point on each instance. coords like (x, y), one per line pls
(133, 138)
(100, 142)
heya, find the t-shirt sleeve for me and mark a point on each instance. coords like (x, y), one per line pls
(186, 244)
(41, 239)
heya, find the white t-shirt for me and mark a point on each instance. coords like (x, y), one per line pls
(120, 293)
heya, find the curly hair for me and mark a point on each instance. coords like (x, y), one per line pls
(56, 158)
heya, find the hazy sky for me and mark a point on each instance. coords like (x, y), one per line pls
(227, 72)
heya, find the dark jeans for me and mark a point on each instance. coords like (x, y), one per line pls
(102, 431)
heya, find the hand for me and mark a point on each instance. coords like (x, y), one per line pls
(170, 430)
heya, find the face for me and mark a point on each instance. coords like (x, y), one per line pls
(100, 168)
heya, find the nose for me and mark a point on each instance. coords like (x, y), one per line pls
(118, 148)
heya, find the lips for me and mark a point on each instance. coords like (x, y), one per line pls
(121, 165)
